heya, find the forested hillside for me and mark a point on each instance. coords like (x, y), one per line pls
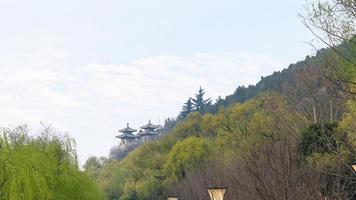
(304, 84)
(292, 134)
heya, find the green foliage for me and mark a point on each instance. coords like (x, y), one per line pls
(325, 147)
(148, 171)
(186, 155)
(41, 168)
(348, 122)
(321, 138)
(93, 165)
(328, 140)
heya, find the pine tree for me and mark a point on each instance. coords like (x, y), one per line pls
(199, 102)
(187, 109)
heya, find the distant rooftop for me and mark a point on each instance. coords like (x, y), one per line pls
(130, 135)
(150, 126)
(146, 132)
(127, 129)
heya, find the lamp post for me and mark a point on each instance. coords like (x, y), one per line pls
(172, 198)
(353, 165)
(217, 193)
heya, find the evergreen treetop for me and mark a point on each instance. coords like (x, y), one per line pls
(188, 108)
(199, 102)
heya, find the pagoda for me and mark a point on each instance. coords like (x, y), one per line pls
(127, 135)
(148, 131)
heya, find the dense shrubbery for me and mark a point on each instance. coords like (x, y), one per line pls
(43, 167)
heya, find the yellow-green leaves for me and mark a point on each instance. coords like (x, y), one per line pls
(42, 168)
(186, 155)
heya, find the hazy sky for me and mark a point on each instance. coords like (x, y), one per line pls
(89, 67)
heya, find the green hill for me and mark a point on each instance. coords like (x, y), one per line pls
(254, 139)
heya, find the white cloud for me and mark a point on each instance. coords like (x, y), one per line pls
(92, 101)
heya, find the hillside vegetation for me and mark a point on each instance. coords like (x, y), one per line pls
(292, 135)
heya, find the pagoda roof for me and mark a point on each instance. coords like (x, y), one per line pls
(150, 126)
(127, 129)
(127, 135)
(147, 133)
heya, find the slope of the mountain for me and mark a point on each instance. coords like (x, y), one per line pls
(302, 83)
(274, 112)
(149, 171)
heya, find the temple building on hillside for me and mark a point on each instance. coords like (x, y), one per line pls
(149, 131)
(127, 135)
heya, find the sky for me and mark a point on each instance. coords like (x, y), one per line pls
(88, 67)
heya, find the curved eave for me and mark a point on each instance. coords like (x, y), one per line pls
(148, 133)
(127, 136)
(128, 130)
(149, 126)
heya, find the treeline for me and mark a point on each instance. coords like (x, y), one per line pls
(259, 149)
(42, 168)
(308, 86)
(295, 140)
(195, 104)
